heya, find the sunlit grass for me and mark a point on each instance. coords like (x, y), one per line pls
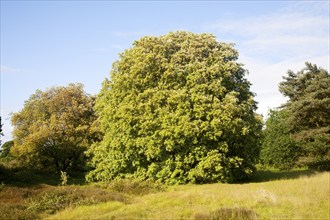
(305, 197)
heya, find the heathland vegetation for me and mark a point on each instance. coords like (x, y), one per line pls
(177, 111)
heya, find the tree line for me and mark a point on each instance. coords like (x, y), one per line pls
(176, 109)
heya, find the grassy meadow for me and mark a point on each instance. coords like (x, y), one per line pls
(271, 194)
(306, 197)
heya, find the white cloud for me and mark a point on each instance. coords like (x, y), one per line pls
(265, 78)
(281, 34)
(271, 44)
(7, 69)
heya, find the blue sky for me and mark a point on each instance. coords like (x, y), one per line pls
(54, 43)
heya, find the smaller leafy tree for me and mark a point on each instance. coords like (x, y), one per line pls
(54, 129)
(278, 148)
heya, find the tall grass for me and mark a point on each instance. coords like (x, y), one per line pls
(271, 194)
(39, 201)
(306, 197)
(26, 201)
(228, 214)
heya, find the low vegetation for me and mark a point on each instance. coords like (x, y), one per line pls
(271, 194)
(305, 197)
(36, 200)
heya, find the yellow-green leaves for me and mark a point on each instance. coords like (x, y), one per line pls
(54, 128)
(176, 110)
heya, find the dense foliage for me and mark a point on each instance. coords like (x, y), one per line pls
(308, 91)
(177, 109)
(54, 128)
(278, 147)
(300, 130)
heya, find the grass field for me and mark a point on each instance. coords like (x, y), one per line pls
(305, 197)
(271, 194)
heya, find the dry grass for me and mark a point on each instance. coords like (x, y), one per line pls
(228, 214)
(302, 198)
(38, 201)
(302, 195)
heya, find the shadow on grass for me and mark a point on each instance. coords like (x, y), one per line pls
(27, 178)
(271, 175)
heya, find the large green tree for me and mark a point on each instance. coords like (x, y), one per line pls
(54, 128)
(177, 109)
(308, 91)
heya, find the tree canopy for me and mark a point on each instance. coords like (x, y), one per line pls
(54, 128)
(308, 91)
(177, 109)
(300, 131)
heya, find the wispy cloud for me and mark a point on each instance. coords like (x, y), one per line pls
(8, 69)
(271, 44)
(295, 32)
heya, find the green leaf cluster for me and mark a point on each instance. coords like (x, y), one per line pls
(177, 109)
